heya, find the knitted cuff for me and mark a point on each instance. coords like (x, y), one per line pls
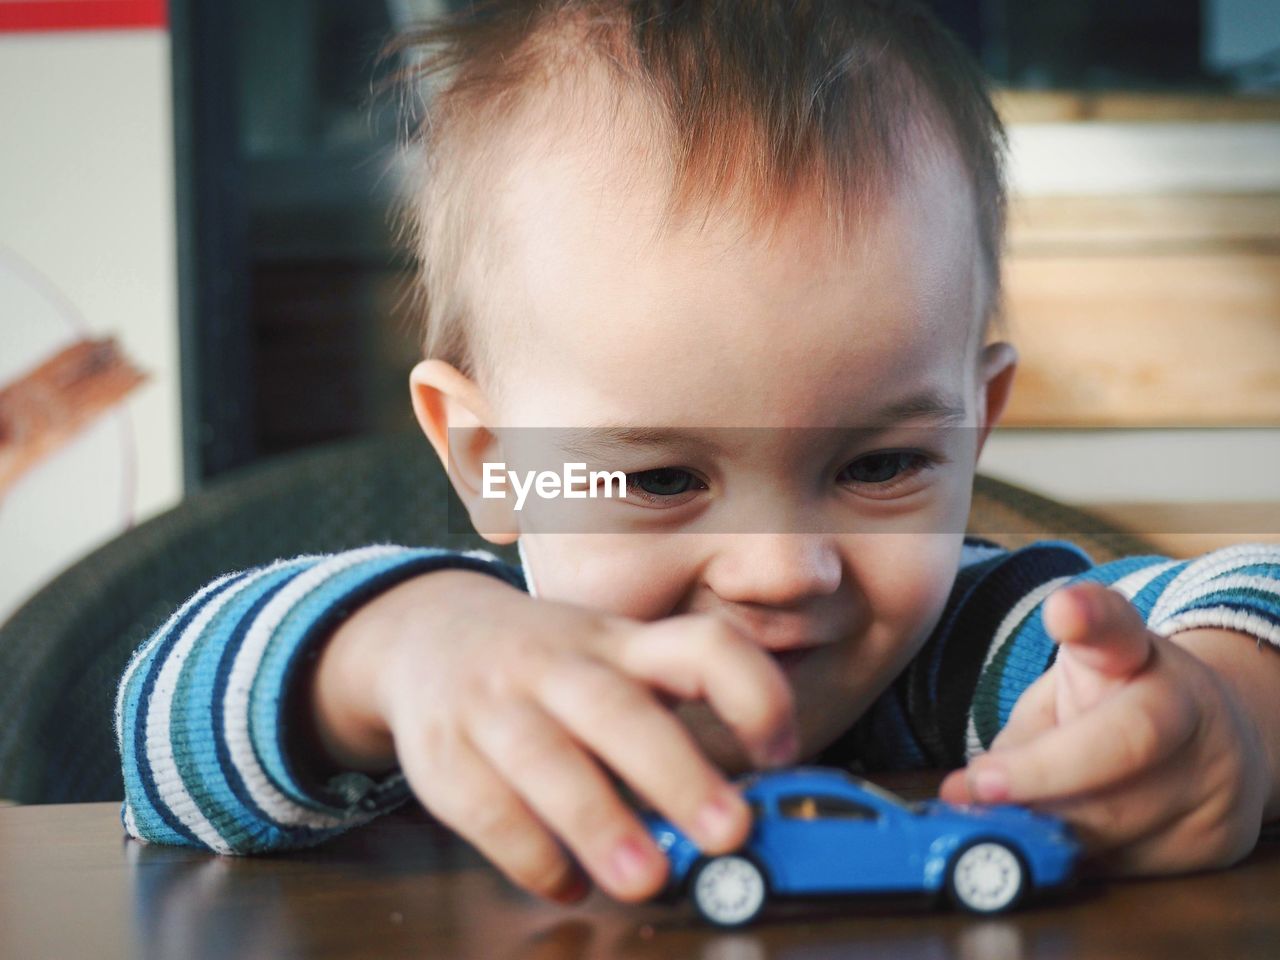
(203, 712)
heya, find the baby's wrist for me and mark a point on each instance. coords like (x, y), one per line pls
(350, 701)
(348, 734)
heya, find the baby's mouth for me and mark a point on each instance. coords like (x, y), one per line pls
(789, 660)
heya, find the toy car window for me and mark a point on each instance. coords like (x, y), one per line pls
(818, 807)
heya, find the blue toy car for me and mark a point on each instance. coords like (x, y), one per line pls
(819, 832)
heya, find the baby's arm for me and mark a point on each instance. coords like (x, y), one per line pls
(201, 714)
(1156, 730)
(502, 711)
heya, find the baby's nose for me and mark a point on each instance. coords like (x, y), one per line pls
(774, 569)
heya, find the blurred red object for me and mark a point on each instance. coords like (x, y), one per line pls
(23, 16)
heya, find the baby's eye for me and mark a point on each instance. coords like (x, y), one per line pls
(663, 485)
(883, 468)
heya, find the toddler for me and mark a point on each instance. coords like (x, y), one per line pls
(746, 254)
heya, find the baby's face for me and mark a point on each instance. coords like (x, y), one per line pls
(839, 545)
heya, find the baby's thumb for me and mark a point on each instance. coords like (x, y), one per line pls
(1098, 629)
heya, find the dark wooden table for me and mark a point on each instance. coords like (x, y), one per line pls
(72, 886)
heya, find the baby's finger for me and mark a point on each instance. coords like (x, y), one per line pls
(703, 658)
(1103, 630)
(622, 723)
(955, 788)
(1033, 713)
(462, 791)
(571, 795)
(1134, 729)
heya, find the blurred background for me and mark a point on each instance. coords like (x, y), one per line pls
(202, 191)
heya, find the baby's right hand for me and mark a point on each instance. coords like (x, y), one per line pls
(504, 710)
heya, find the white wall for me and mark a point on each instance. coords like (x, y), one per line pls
(87, 228)
(1136, 466)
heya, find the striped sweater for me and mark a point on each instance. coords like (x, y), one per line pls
(204, 708)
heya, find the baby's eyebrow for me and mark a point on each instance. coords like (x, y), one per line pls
(587, 442)
(943, 410)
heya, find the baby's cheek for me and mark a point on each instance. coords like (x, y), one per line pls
(901, 582)
(905, 580)
(635, 575)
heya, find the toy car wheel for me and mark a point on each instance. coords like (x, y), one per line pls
(987, 877)
(729, 891)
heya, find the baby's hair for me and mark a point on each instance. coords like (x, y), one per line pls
(745, 103)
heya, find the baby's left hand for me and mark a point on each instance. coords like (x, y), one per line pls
(1145, 749)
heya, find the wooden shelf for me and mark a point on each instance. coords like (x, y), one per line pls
(1155, 224)
(1067, 106)
(1160, 310)
(1141, 340)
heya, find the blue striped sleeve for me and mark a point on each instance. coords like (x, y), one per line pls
(1236, 588)
(201, 710)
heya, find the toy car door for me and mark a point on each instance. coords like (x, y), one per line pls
(822, 843)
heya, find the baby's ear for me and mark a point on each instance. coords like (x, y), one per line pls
(996, 368)
(454, 415)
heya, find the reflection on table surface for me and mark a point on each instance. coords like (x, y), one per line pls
(72, 886)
